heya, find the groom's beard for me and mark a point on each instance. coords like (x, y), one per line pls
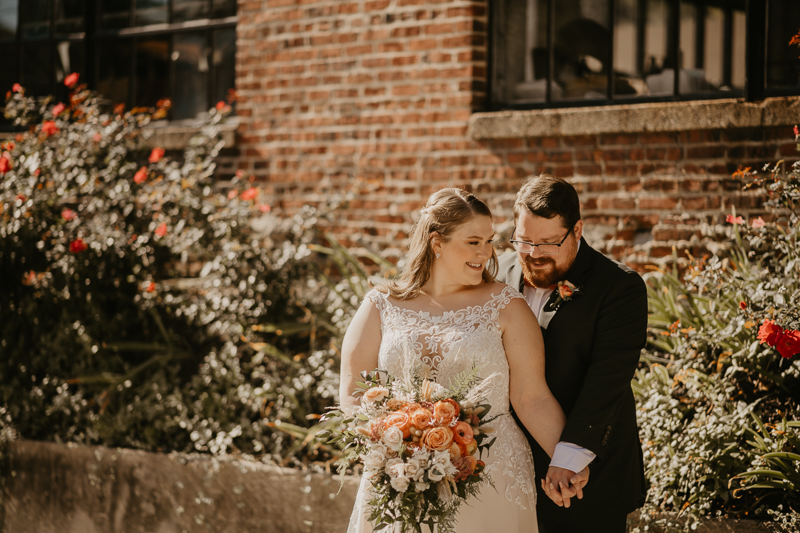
(542, 277)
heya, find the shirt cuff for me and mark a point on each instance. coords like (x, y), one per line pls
(571, 457)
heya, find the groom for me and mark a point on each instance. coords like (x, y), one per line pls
(593, 315)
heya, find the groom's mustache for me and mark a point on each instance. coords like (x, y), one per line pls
(538, 262)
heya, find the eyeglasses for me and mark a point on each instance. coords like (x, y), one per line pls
(525, 247)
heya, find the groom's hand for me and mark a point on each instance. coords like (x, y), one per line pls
(562, 484)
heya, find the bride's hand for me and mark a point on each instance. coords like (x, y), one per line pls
(562, 484)
(579, 481)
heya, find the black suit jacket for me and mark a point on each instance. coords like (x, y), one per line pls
(592, 347)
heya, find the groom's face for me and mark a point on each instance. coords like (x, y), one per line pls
(543, 270)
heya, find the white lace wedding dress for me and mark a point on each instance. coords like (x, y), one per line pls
(451, 344)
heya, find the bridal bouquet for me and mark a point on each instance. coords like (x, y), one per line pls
(420, 444)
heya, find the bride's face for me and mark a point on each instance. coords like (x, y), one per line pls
(464, 255)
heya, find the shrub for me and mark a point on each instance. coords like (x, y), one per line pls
(143, 308)
(719, 391)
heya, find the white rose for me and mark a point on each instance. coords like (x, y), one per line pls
(420, 486)
(394, 467)
(400, 484)
(374, 459)
(441, 459)
(414, 469)
(393, 438)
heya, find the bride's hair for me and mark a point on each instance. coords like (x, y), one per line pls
(444, 211)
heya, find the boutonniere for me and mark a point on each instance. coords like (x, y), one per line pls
(565, 291)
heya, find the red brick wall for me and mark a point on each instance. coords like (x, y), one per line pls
(376, 94)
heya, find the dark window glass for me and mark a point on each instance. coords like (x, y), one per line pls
(69, 16)
(783, 65)
(658, 62)
(224, 8)
(114, 70)
(151, 12)
(8, 19)
(36, 69)
(152, 71)
(190, 58)
(582, 50)
(35, 19)
(115, 13)
(8, 74)
(183, 10)
(69, 58)
(224, 63)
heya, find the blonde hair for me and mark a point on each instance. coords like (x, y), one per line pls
(444, 211)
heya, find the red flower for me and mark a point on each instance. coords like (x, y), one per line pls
(249, 194)
(743, 305)
(72, 79)
(140, 175)
(5, 165)
(151, 287)
(29, 278)
(8, 95)
(162, 229)
(77, 246)
(37, 172)
(796, 131)
(68, 214)
(232, 194)
(156, 155)
(58, 109)
(17, 88)
(769, 333)
(758, 222)
(21, 197)
(734, 220)
(221, 105)
(789, 343)
(264, 208)
(49, 127)
(97, 137)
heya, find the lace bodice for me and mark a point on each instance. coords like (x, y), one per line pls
(450, 344)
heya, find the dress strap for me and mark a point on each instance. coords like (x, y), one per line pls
(380, 299)
(500, 300)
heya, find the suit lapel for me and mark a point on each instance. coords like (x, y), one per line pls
(575, 275)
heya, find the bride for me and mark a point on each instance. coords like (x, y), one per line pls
(446, 308)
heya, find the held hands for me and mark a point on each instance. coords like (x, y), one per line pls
(562, 484)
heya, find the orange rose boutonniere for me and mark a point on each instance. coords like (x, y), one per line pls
(565, 290)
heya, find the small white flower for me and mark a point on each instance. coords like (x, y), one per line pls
(436, 472)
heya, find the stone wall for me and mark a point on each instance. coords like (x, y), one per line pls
(51, 488)
(386, 98)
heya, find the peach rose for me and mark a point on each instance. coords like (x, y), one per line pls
(374, 395)
(445, 411)
(401, 421)
(421, 418)
(439, 439)
(462, 433)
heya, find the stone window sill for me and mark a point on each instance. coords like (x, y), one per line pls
(637, 118)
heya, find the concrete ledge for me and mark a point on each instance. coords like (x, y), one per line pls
(637, 118)
(61, 489)
(78, 489)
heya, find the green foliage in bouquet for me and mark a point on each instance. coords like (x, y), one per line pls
(719, 393)
(142, 307)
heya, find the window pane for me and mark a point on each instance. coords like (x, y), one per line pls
(184, 10)
(36, 69)
(783, 65)
(629, 58)
(113, 73)
(224, 8)
(35, 19)
(582, 49)
(738, 41)
(190, 57)
(115, 13)
(224, 63)
(520, 55)
(69, 16)
(659, 74)
(8, 19)
(8, 74)
(151, 12)
(152, 71)
(69, 58)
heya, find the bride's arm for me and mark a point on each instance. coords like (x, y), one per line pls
(533, 402)
(360, 348)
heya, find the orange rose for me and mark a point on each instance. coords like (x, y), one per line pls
(445, 411)
(462, 433)
(438, 439)
(421, 418)
(400, 420)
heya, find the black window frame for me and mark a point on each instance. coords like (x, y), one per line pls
(755, 62)
(94, 37)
